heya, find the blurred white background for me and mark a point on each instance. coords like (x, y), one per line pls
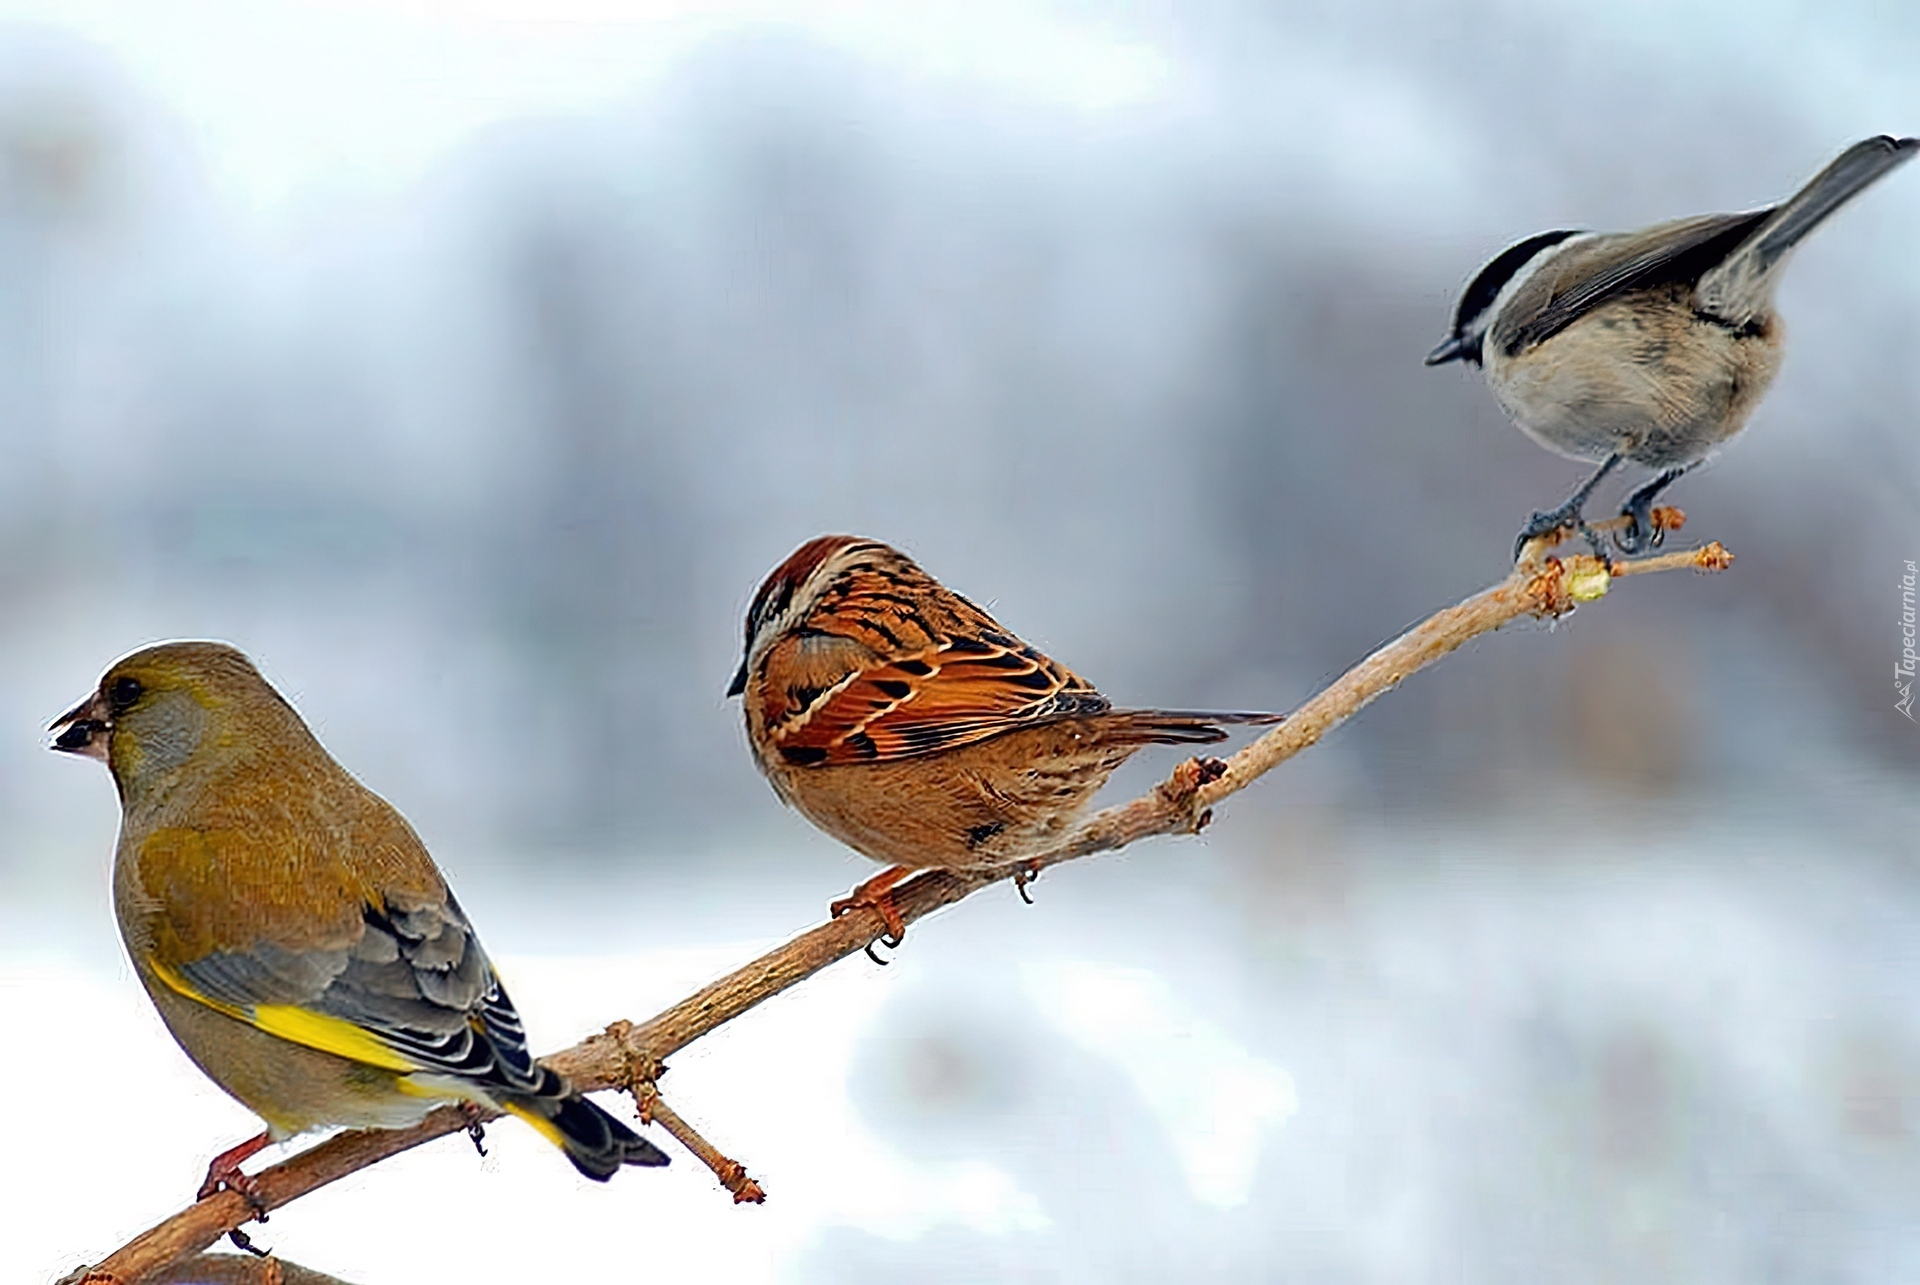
(469, 363)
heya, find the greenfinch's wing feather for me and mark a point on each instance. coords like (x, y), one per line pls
(415, 993)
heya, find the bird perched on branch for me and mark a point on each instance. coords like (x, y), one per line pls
(1651, 346)
(292, 930)
(904, 721)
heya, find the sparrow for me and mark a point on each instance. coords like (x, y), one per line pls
(1652, 346)
(904, 721)
(287, 922)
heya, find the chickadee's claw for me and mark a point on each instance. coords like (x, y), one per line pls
(1598, 545)
(1568, 515)
(1642, 532)
(1638, 535)
(1543, 524)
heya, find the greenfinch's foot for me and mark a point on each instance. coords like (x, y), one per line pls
(476, 1127)
(225, 1170)
(225, 1173)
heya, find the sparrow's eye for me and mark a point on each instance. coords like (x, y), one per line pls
(122, 696)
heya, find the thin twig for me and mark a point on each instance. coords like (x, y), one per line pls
(628, 1053)
(731, 1173)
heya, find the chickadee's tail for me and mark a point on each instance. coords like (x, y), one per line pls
(1737, 288)
(1174, 727)
(597, 1143)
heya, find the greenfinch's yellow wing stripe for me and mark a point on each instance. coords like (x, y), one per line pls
(333, 1035)
(298, 1025)
(543, 1126)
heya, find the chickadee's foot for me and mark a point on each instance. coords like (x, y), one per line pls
(1642, 533)
(1553, 522)
(1568, 516)
(1639, 535)
(1598, 544)
(876, 894)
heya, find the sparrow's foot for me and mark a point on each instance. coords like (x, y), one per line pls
(876, 894)
(1025, 875)
(224, 1173)
(1642, 533)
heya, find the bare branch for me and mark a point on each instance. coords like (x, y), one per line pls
(731, 1173)
(632, 1056)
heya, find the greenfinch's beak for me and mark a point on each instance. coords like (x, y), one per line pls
(83, 729)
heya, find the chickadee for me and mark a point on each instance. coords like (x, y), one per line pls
(1651, 346)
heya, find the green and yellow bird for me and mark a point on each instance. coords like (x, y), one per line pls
(292, 930)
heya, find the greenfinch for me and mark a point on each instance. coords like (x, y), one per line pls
(290, 927)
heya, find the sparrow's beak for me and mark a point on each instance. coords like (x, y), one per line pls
(739, 683)
(1452, 350)
(83, 729)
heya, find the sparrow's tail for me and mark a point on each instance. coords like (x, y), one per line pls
(597, 1143)
(1174, 727)
(1737, 288)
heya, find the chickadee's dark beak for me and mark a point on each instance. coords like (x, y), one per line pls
(83, 729)
(1452, 350)
(739, 683)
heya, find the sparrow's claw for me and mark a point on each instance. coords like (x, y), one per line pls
(876, 894)
(1025, 875)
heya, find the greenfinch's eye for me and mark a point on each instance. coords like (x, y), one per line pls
(122, 695)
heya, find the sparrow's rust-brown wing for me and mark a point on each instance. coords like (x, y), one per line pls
(890, 664)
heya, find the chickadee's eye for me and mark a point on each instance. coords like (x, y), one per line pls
(122, 695)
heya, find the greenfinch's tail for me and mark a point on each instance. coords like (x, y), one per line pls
(597, 1143)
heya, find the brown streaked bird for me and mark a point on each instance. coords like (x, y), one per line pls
(289, 925)
(907, 723)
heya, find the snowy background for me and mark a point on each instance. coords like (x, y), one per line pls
(469, 363)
